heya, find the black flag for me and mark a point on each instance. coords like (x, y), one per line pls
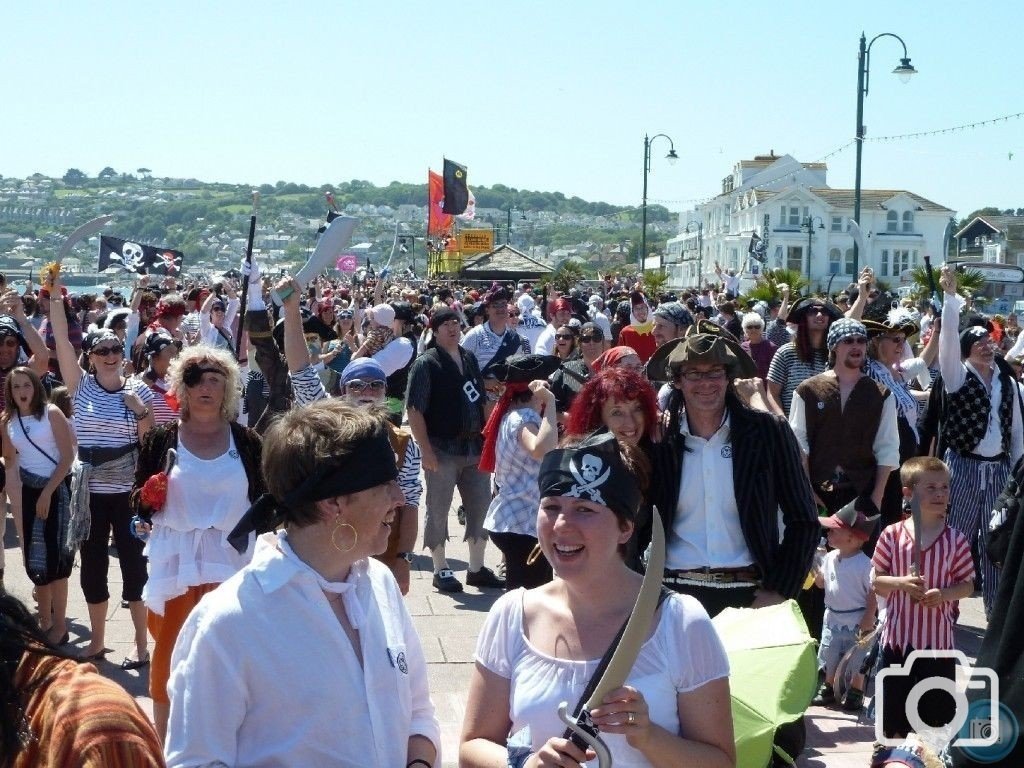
(138, 257)
(456, 193)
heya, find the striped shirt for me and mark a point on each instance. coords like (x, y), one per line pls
(945, 563)
(789, 371)
(308, 388)
(103, 420)
(163, 411)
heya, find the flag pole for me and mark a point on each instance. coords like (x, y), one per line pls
(245, 278)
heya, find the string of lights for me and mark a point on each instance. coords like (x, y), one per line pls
(954, 129)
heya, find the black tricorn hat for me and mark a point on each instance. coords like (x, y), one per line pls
(800, 308)
(525, 368)
(310, 324)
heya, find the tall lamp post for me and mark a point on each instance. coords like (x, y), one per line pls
(904, 71)
(671, 157)
(508, 228)
(809, 223)
(699, 227)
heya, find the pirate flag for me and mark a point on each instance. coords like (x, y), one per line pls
(138, 257)
(456, 193)
(757, 248)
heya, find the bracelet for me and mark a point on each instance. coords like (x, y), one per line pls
(418, 761)
(141, 416)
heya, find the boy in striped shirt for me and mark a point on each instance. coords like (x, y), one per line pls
(921, 607)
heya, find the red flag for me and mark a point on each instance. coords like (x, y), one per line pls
(438, 222)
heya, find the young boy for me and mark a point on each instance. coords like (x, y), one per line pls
(921, 606)
(850, 604)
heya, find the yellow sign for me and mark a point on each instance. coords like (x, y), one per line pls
(476, 240)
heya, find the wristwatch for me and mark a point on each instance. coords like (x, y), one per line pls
(407, 556)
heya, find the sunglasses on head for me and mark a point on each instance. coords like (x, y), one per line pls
(114, 349)
(358, 385)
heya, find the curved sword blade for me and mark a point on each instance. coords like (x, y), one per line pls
(84, 232)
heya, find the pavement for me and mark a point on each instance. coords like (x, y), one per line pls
(448, 625)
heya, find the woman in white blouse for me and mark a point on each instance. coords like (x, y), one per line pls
(307, 656)
(540, 647)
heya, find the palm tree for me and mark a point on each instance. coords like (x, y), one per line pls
(768, 286)
(566, 276)
(969, 282)
(654, 282)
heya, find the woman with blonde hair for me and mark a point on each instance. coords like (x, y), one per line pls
(196, 477)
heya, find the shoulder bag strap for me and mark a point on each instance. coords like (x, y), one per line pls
(25, 431)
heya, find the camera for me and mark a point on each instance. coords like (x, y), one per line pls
(975, 725)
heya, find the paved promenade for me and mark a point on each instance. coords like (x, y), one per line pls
(448, 626)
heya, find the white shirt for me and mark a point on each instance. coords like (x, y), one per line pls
(396, 354)
(208, 333)
(189, 543)
(41, 431)
(707, 531)
(483, 343)
(546, 341)
(263, 673)
(847, 586)
(885, 447)
(683, 653)
(954, 374)
(600, 319)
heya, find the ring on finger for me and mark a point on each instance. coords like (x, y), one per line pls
(631, 718)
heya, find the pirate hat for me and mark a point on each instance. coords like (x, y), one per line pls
(897, 321)
(592, 470)
(523, 369)
(310, 324)
(704, 342)
(804, 305)
(860, 517)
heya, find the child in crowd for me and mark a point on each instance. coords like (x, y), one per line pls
(850, 604)
(921, 599)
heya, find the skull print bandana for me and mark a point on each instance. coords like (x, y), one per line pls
(592, 470)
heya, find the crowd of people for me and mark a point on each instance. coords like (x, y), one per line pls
(262, 470)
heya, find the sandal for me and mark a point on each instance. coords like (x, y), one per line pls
(135, 663)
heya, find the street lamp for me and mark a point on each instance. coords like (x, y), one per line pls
(904, 70)
(508, 229)
(809, 223)
(671, 157)
(700, 247)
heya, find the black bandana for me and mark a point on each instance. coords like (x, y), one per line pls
(592, 470)
(370, 464)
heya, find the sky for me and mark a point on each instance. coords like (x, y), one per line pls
(550, 96)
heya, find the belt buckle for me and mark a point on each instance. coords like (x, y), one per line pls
(716, 578)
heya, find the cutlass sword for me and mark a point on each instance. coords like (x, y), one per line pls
(915, 516)
(580, 728)
(84, 232)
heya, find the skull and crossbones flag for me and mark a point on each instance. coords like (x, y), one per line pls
(139, 258)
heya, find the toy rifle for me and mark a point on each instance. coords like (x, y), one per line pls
(935, 300)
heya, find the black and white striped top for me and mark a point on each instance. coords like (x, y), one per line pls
(101, 419)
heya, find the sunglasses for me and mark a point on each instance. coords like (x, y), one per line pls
(849, 340)
(817, 311)
(564, 336)
(358, 385)
(591, 338)
(116, 349)
(345, 314)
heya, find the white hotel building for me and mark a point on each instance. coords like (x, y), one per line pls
(805, 223)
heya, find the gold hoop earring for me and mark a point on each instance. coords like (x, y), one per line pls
(534, 555)
(355, 537)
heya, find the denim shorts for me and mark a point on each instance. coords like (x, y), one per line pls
(835, 642)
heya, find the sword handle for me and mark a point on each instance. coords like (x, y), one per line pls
(936, 304)
(583, 733)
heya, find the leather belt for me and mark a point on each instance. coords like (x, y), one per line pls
(743, 575)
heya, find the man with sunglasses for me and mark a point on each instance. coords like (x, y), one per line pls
(845, 423)
(805, 356)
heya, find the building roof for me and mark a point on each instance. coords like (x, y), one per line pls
(504, 262)
(997, 223)
(843, 198)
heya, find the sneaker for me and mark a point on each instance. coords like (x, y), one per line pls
(445, 581)
(484, 578)
(854, 701)
(826, 696)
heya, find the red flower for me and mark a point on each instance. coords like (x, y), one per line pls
(154, 492)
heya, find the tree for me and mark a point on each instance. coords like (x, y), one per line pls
(74, 177)
(969, 282)
(566, 276)
(768, 286)
(654, 282)
(144, 172)
(107, 173)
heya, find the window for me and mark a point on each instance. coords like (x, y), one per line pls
(849, 261)
(908, 221)
(837, 223)
(734, 258)
(795, 258)
(901, 261)
(885, 263)
(835, 261)
(892, 222)
(793, 219)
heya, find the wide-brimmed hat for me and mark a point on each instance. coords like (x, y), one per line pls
(860, 517)
(874, 328)
(704, 342)
(525, 368)
(803, 306)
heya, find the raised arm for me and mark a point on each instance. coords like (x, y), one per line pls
(70, 371)
(40, 359)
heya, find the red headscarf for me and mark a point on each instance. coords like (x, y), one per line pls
(489, 455)
(611, 358)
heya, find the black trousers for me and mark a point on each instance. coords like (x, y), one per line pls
(111, 511)
(516, 547)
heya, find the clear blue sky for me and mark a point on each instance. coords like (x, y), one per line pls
(537, 95)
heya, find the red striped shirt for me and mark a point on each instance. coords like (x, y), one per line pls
(945, 563)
